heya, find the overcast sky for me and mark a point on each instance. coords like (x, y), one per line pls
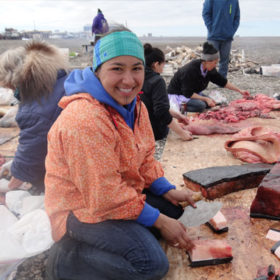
(159, 17)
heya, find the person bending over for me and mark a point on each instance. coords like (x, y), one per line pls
(194, 77)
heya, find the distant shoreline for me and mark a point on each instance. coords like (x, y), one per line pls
(263, 49)
(195, 37)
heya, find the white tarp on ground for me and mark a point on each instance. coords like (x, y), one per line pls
(25, 230)
(272, 70)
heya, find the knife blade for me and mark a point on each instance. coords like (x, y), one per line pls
(203, 212)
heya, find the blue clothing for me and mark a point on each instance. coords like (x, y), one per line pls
(84, 81)
(224, 48)
(113, 249)
(196, 105)
(34, 120)
(99, 24)
(221, 18)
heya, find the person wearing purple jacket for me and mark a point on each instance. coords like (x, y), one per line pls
(99, 25)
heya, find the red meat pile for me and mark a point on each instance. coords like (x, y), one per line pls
(242, 109)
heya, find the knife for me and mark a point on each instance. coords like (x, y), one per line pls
(203, 212)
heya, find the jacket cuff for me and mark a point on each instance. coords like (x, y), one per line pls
(161, 186)
(148, 216)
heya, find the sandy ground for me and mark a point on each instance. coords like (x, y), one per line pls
(264, 51)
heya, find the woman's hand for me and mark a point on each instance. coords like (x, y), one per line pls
(210, 102)
(183, 119)
(185, 135)
(245, 93)
(176, 196)
(15, 183)
(173, 232)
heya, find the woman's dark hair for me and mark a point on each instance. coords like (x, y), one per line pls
(209, 48)
(153, 55)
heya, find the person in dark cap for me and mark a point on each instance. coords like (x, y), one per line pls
(190, 80)
(99, 25)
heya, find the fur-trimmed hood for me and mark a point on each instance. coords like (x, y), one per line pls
(32, 69)
(40, 69)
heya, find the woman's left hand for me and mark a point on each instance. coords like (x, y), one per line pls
(210, 102)
(245, 93)
(183, 119)
(176, 196)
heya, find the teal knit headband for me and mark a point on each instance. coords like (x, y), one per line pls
(117, 44)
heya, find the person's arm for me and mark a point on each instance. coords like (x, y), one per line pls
(14, 183)
(174, 232)
(180, 117)
(233, 87)
(182, 133)
(207, 14)
(210, 102)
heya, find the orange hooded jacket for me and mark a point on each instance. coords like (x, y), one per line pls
(97, 167)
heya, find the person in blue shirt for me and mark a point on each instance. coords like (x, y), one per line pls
(221, 18)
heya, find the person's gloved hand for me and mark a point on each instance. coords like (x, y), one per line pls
(5, 169)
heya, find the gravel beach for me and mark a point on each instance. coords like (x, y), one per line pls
(261, 50)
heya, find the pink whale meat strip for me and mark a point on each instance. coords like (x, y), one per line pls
(209, 252)
(255, 145)
(218, 222)
(273, 234)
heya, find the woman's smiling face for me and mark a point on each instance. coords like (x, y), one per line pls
(122, 77)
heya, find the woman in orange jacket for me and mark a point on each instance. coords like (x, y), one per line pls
(106, 195)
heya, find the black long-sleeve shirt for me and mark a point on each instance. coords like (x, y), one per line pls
(156, 100)
(189, 80)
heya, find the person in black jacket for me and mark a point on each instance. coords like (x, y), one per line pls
(156, 99)
(194, 77)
